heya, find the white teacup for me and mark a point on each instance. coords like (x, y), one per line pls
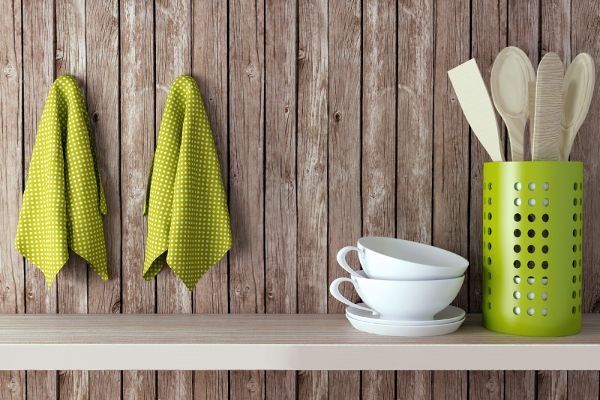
(397, 259)
(404, 300)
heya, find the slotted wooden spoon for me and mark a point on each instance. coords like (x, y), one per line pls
(548, 107)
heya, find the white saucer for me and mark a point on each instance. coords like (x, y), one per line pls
(447, 315)
(405, 330)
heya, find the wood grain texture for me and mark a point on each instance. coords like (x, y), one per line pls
(415, 120)
(303, 128)
(137, 118)
(344, 213)
(486, 385)
(312, 194)
(173, 58)
(281, 217)
(450, 166)
(415, 146)
(519, 385)
(38, 67)
(583, 385)
(209, 68)
(552, 385)
(488, 37)
(12, 277)
(102, 49)
(378, 159)
(413, 385)
(247, 155)
(71, 59)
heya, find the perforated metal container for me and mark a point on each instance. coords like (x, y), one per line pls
(532, 256)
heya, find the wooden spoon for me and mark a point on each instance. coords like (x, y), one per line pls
(577, 93)
(477, 106)
(548, 105)
(511, 73)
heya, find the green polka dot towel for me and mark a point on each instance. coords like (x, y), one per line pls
(64, 202)
(188, 222)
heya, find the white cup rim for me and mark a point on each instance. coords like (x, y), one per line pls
(448, 258)
(362, 275)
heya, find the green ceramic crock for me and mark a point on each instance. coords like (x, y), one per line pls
(532, 236)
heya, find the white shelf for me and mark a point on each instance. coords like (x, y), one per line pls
(275, 342)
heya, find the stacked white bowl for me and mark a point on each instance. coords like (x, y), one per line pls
(406, 287)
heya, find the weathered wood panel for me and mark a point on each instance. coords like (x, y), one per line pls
(378, 159)
(137, 117)
(451, 161)
(173, 58)
(12, 277)
(102, 44)
(209, 68)
(246, 175)
(312, 194)
(333, 119)
(71, 59)
(414, 149)
(489, 36)
(281, 217)
(345, 223)
(38, 67)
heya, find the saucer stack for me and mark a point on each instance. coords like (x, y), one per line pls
(406, 288)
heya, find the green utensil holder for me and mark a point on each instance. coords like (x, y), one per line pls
(532, 238)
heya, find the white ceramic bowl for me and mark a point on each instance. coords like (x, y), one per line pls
(397, 259)
(403, 300)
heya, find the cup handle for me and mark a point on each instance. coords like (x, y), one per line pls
(335, 292)
(341, 259)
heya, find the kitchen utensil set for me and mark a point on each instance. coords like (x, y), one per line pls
(554, 103)
(406, 287)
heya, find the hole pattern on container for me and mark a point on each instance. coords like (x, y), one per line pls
(537, 246)
(517, 233)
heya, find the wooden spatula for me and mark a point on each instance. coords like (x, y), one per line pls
(548, 107)
(477, 106)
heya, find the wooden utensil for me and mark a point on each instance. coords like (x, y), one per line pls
(511, 73)
(548, 105)
(531, 110)
(577, 93)
(477, 106)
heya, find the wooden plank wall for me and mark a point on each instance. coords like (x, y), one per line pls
(333, 119)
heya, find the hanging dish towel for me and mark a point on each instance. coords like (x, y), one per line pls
(64, 202)
(188, 222)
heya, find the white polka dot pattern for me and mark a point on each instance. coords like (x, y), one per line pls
(188, 222)
(63, 201)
